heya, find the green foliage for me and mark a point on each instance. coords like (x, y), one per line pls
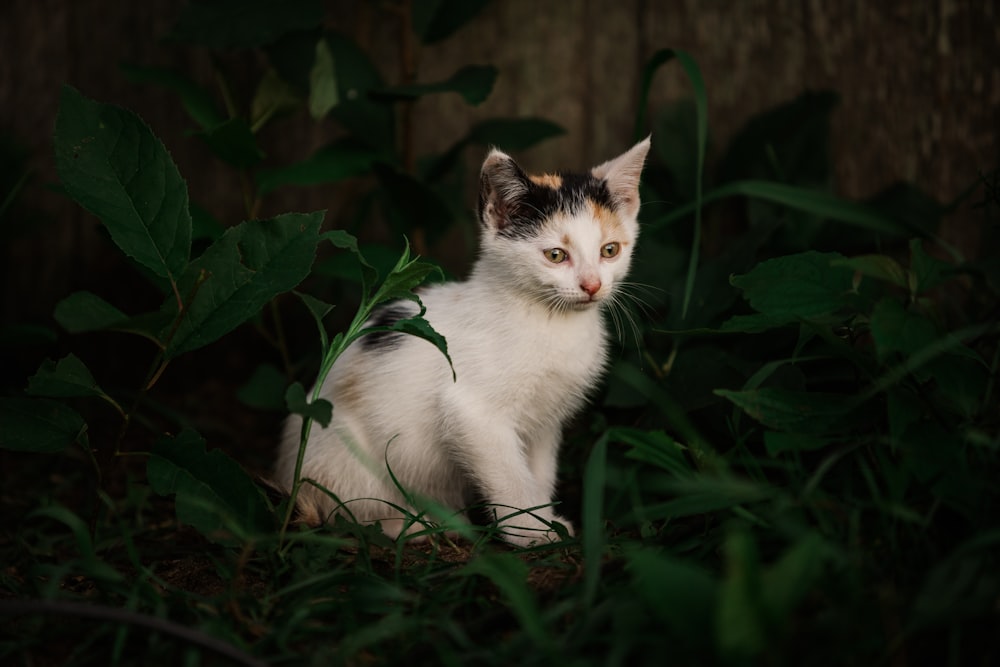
(792, 463)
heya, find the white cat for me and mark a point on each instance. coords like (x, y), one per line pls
(528, 341)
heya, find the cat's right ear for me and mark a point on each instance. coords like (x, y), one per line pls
(502, 185)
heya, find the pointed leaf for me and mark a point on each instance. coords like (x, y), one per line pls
(346, 241)
(69, 377)
(111, 163)
(319, 310)
(38, 425)
(895, 330)
(214, 494)
(238, 274)
(801, 286)
(421, 328)
(794, 411)
(85, 311)
(323, 94)
(274, 96)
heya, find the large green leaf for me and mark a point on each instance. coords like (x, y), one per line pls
(214, 494)
(224, 24)
(238, 274)
(111, 163)
(38, 425)
(798, 286)
(793, 411)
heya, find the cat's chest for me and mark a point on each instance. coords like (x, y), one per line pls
(533, 364)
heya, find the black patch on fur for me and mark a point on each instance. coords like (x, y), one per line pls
(525, 215)
(386, 316)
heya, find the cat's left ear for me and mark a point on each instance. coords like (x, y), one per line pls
(622, 176)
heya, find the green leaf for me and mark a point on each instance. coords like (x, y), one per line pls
(265, 390)
(195, 99)
(592, 513)
(740, 621)
(680, 594)
(895, 330)
(223, 24)
(39, 425)
(85, 311)
(323, 94)
(319, 310)
(655, 447)
(421, 328)
(704, 493)
(927, 272)
(234, 143)
(820, 204)
(693, 73)
(802, 286)
(794, 411)
(320, 410)
(346, 241)
(404, 277)
(238, 274)
(214, 494)
(111, 164)
(876, 266)
(513, 134)
(777, 442)
(330, 164)
(82, 312)
(69, 377)
(786, 582)
(510, 575)
(435, 20)
(473, 82)
(274, 96)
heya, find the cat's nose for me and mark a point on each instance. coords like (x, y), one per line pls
(591, 287)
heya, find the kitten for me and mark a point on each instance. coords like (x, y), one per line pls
(528, 341)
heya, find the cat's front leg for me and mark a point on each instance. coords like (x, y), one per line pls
(497, 460)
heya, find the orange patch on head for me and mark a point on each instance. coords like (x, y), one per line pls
(611, 225)
(553, 181)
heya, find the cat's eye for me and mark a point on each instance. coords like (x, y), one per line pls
(555, 255)
(611, 249)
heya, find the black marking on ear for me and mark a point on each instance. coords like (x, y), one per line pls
(524, 216)
(386, 316)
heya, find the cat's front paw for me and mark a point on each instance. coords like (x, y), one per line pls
(525, 530)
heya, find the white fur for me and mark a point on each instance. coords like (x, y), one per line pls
(527, 343)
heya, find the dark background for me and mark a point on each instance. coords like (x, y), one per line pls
(919, 87)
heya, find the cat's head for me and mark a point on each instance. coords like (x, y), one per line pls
(565, 240)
